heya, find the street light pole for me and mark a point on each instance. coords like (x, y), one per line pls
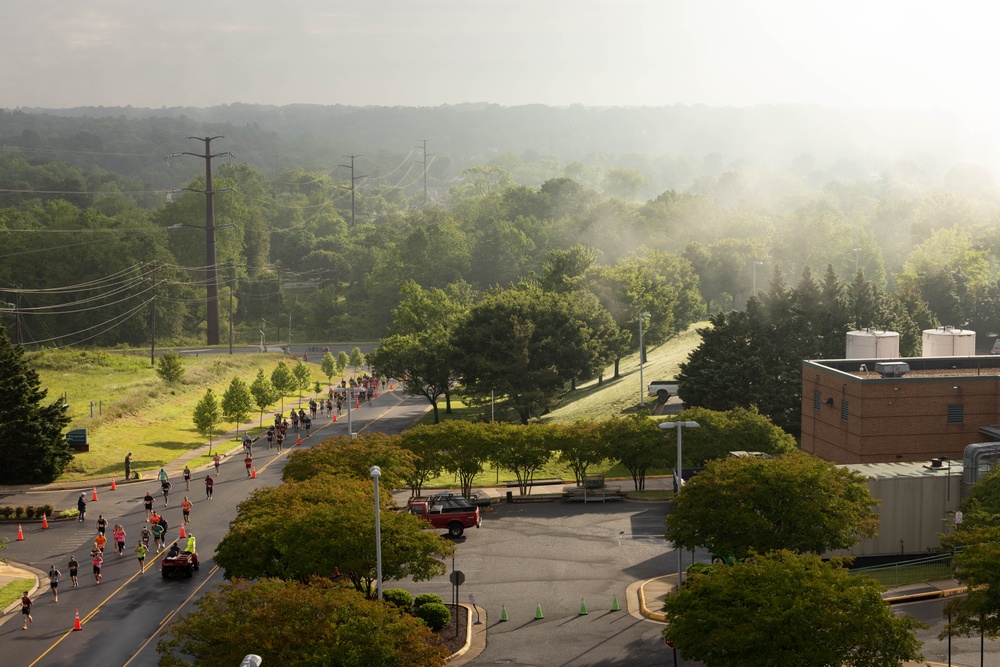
(375, 473)
(642, 360)
(856, 260)
(678, 478)
(755, 265)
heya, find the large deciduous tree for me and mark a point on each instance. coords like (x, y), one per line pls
(283, 381)
(207, 415)
(739, 429)
(263, 392)
(33, 447)
(787, 609)
(294, 623)
(739, 505)
(352, 457)
(237, 402)
(637, 443)
(519, 449)
(325, 525)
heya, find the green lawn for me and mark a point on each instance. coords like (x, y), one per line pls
(134, 411)
(14, 590)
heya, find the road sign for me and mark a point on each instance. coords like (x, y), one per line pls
(668, 643)
(457, 577)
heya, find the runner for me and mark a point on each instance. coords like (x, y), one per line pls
(26, 610)
(218, 462)
(157, 536)
(98, 562)
(155, 519)
(163, 535)
(270, 437)
(119, 535)
(187, 478)
(280, 439)
(162, 475)
(54, 575)
(247, 444)
(209, 485)
(295, 420)
(148, 502)
(140, 553)
(74, 567)
(102, 524)
(309, 423)
(186, 506)
(100, 541)
(165, 488)
(144, 536)
(249, 463)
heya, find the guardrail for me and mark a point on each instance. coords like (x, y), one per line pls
(893, 575)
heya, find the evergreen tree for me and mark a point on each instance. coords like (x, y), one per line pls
(169, 368)
(33, 447)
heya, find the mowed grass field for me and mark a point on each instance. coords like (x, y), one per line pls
(134, 411)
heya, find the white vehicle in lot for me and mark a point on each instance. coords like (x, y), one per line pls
(663, 388)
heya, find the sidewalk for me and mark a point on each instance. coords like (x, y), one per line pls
(12, 572)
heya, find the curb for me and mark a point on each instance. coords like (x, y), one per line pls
(927, 595)
(14, 606)
(654, 615)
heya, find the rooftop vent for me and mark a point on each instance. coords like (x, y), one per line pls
(892, 369)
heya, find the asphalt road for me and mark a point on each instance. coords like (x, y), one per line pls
(122, 616)
(964, 650)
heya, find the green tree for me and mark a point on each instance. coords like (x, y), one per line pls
(294, 623)
(207, 416)
(740, 505)
(342, 362)
(328, 366)
(978, 567)
(302, 377)
(580, 446)
(170, 368)
(520, 449)
(263, 392)
(464, 450)
(784, 608)
(325, 525)
(739, 429)
(357, 359)
(237, 403)
(637, 443)
(33, 448)
(423, 359)
(341, 456)
(283, 381)
(428, 459)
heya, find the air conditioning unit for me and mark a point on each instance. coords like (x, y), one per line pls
(892, 369)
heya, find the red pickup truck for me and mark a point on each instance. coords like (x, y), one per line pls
(446, 511)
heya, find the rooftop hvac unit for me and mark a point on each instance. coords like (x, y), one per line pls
(893, 369)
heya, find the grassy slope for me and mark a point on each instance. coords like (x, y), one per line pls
(139, 413)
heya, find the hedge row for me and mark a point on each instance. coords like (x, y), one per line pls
(29, 512)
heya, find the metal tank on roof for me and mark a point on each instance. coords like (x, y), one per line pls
(949, 342)
(872, 344)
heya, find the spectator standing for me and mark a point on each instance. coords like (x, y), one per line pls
(128, 465)
(81, 506)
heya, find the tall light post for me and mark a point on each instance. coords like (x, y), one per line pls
(678, 479)
(375, 473)
(856, 260)
(263, 325)
(642, 360)
(755, 265)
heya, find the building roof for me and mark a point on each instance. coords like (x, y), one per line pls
(903, 469)
(987, 366)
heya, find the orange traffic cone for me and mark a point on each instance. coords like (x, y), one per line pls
(253, 473)
(20, 535)
(183, 532)
(390, 386)
(374, 395)
(94, 497)
(76, 622)
(45, 520)
(335, 418)
(113, 487)
(298, 440)
(357, 403)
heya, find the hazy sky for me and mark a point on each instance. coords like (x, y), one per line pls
(63, 53)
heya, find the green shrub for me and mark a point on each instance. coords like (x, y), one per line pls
(69, 514)
(29, 512)
(434, 614)
(47, 510)
(398, 597)
(424, 598)
(19, 512)
(6, 512)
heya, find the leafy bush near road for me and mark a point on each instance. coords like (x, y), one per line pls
(434, 614)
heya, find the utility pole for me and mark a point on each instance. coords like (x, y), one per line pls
(353, 179)
(212, 274)
(17, 316)
(152, 322)
(232, 287)
(424, 162)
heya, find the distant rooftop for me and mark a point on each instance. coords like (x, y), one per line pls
(904, 469)
(920, 367)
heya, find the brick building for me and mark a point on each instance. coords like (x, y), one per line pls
(913, 410)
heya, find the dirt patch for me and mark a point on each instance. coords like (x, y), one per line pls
(447, 634)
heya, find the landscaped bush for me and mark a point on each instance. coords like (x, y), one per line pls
(29, 512)
(19, 512)
(398, 597)
(47, 510)
(434, 614)
(425, 598)
(6, 512)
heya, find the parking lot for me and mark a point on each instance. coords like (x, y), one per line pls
(558, 556)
